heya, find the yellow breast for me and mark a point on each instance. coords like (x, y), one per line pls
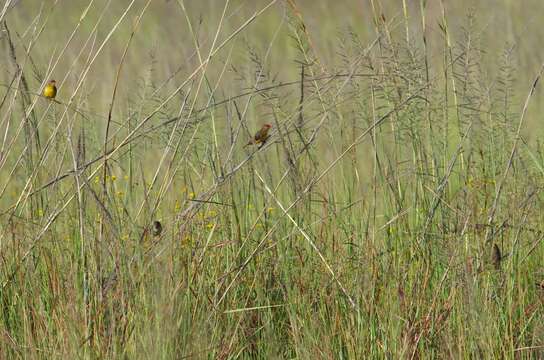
(50, 91)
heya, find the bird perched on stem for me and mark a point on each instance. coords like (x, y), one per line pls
(260, 136)
(50, 90)
(157, 228)
(496, 256)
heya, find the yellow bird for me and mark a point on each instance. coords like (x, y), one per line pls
(50, 90)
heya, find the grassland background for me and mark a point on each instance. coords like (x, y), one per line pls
(365, 228)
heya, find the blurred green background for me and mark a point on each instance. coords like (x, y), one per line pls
(163, 38)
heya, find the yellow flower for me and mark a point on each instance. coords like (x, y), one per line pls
(113, 178)
(271, 209)
(177, 206)
(120, 193)
(191, 195)
(126, 177)
(40, 212)
(210, 225)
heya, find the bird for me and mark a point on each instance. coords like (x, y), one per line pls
(157, 228)
(496, 256)
(260, 136)
(50, 90)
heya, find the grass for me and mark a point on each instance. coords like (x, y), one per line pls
(394, 213)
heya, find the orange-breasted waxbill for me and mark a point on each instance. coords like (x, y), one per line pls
(260, 136)
(50, 90)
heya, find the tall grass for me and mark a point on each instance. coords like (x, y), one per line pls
(394, 212)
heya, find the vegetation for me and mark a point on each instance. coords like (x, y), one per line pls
(395, 211)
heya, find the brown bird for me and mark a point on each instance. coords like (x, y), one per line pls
(157, 228)
(496, 257)
(260, 136)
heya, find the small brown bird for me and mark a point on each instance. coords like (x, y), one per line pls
(157, 228)
(496, 257)
(260, 136)
(50, 90)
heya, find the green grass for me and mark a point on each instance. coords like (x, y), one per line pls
(405, 146)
